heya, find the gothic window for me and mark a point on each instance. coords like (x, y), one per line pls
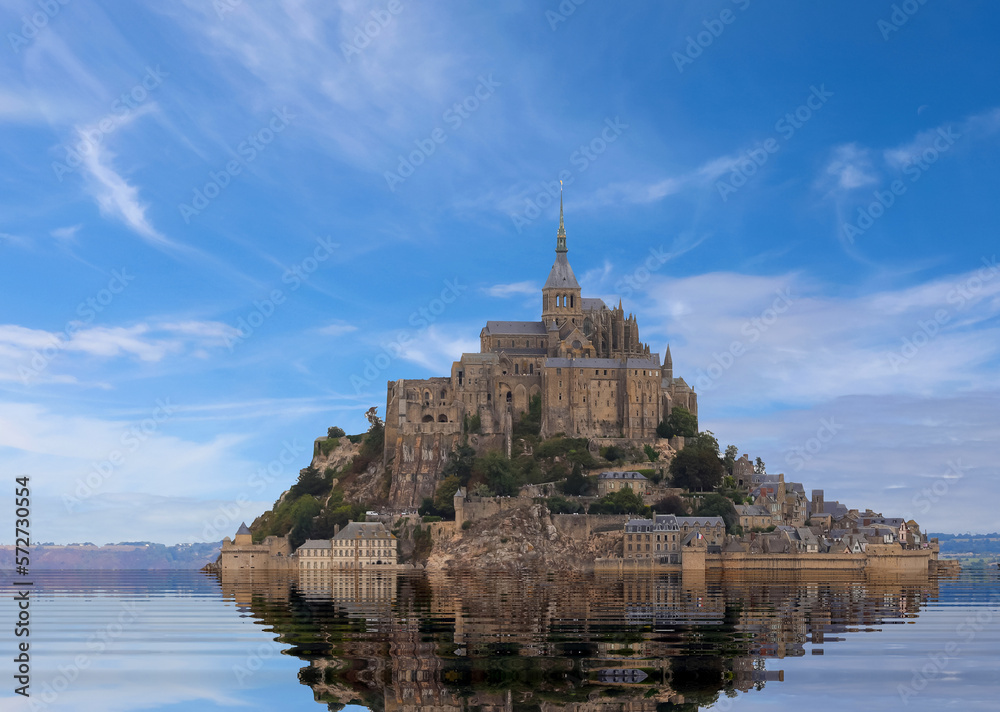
(510, 396)
(571, 304)
(531, 368)
(444, 394)
(517, 371)
(427, 397)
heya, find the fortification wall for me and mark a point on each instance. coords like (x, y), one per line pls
(885, 559)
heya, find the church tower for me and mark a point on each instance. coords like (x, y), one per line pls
(561, 293)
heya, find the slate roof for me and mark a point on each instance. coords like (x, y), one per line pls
(517, 328)
(561, 274)
(244, 529)
(621, 476)
(592, 304)
(363, 530)
(314, 544)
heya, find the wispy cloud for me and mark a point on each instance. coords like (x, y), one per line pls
(510, 290)
(337, 328)
(851, 167)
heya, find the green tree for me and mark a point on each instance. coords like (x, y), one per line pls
(561, 505)
(651, 453)
(499, 473)
(696, 469)
(301, 515)
(460, 464)
(715, 505)
(530, 422)
(681, 421)
(335, 432)
(759, 467)
(444, 497)
(310, 481)
(624, 501)
(576, 483)
(729, 459)
(671, 504)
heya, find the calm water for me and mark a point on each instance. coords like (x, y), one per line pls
(189, 641)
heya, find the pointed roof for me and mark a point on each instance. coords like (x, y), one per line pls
(561, 275)
(244, 529)
(561, 235)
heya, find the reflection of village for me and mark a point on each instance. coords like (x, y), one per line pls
(408, 640)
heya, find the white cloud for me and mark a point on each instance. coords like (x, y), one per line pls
(337, 328)
(819, 347)
(65, 233)
(509, 290)
(115, 196)
(36, 349)
(436, 350)
(851, 167)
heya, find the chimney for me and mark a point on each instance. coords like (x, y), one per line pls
(336, 529)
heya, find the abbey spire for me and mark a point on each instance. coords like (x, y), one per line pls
(561, 235)
(561, 292)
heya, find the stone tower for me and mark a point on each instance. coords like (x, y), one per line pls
(561, 300)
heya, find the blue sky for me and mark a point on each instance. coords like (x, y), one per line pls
(224, 227)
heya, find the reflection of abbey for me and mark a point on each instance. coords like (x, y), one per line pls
(595, 377)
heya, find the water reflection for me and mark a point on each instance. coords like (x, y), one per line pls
(407, 641)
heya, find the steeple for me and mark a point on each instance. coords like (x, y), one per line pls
(668, 364)
(561, 300)
(561, 235)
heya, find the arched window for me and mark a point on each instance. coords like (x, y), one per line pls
(444, 394)
(531, 368)
(517, 370)
(510, 396)
(442, 418)
(427, 397)
(428, 419)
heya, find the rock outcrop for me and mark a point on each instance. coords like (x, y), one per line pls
(521, 539)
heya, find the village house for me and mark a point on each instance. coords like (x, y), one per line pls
(611, 482)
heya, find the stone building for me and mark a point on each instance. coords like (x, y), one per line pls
(610, 482)
(242, 554)
(664, 536)
(585, 360)
(359, 545)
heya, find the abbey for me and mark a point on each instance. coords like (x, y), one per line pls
(596, 378)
